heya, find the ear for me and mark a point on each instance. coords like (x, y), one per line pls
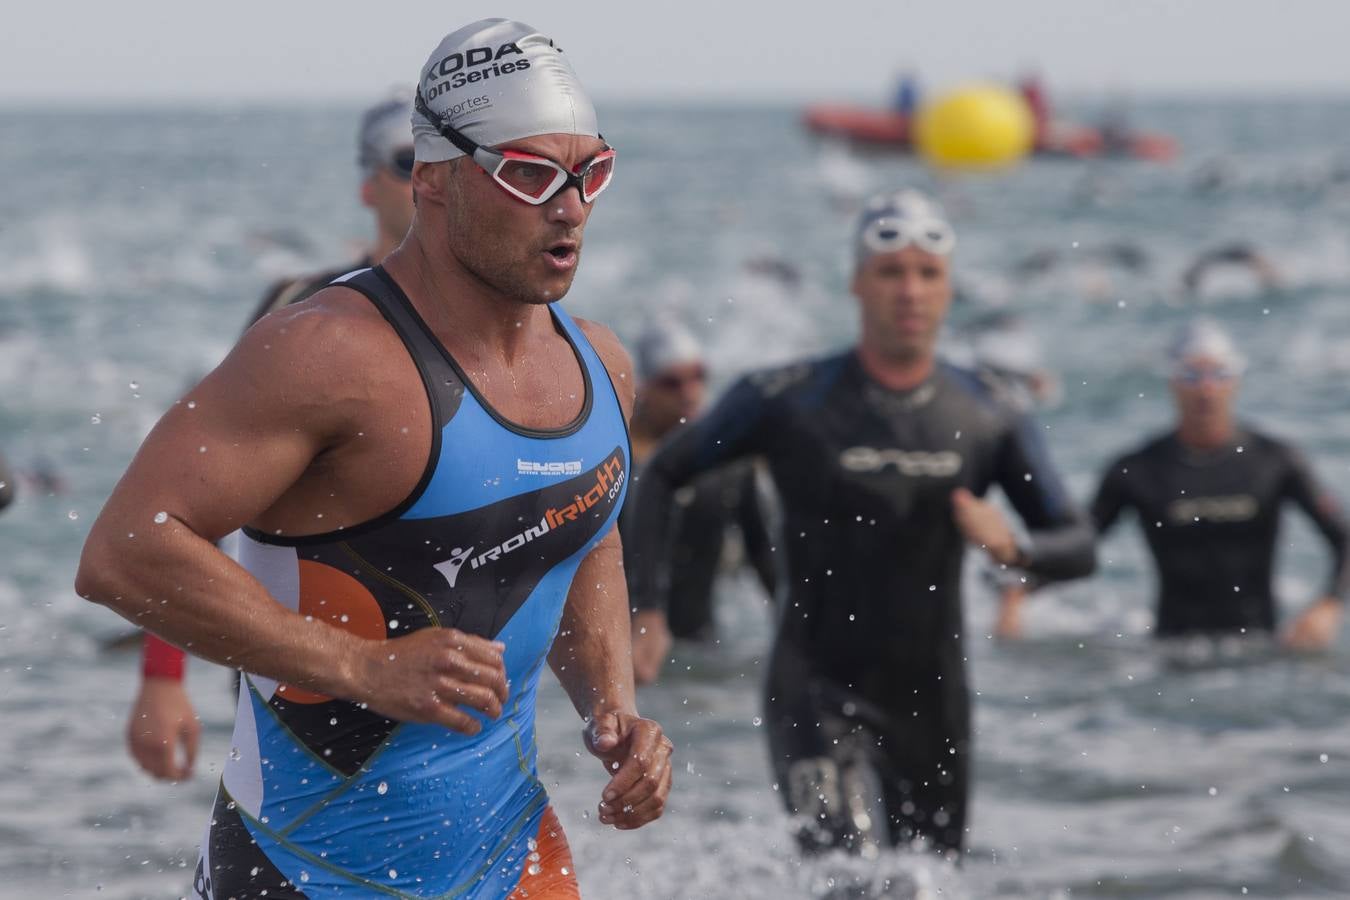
(431, 181)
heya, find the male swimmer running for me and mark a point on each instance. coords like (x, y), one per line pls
(880, 455)
(1208, 495)
(402, 576)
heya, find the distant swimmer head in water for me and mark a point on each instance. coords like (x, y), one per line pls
(672, 375)
(1205, 368)
(497, 81)
(902, 276)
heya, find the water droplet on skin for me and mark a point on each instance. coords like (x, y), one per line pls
(393, 873)
(342, 618)
(382, 788)
(393, 623)
(534, 869)
(192, 404)
(161, 517)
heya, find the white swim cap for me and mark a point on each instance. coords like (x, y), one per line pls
(663, 344)
(497, 81)
(895, 219)
(384, 130)
(1204, 337)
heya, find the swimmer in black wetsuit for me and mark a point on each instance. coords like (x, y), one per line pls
(162, 718)
(880, 456)
(1209, 494)
(671, 390)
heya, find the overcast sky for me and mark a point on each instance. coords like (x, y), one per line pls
(282, 50)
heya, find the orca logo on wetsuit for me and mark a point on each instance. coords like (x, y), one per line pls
(915, 463)
(1234, 508)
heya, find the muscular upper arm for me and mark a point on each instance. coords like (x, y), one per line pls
(227, 450)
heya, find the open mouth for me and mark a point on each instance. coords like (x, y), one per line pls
(564, 253)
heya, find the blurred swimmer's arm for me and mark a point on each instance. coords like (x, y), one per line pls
(163, 730)
(729, 431)
(1061, 543)
(1111, 498)
(298, 385)
(592, 658)
(162, 718)
(1317, 626)
(755, 532)
(6, 484)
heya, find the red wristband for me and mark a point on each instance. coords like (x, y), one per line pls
(161, 660)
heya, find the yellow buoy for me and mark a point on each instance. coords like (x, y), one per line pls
(981, 125)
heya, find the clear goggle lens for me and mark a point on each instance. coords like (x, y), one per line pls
(888, 235)
(536, 179)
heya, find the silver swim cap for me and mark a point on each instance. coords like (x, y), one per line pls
(1204, 337)
(663, 344)
(895, 219)
(497, 81)
(384, 131)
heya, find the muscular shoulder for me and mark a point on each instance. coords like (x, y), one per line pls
(1153, 453)
(615, 358)
(803, 380)
(330, 355)
(293, 290)
(975, 399)
(1266, 444)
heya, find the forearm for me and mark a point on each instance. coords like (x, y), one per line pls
(1055, 554)
(168, 580)
(592, 655)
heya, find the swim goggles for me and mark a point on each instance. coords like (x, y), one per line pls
(1193, 375)
(526, 176)
(400, 163)
(888, 234)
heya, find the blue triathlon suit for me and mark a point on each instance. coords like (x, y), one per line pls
(322, 798)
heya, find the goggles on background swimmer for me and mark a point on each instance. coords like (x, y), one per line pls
(1194, 375)
(400, 162)
(525, 176)
(888, 234)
